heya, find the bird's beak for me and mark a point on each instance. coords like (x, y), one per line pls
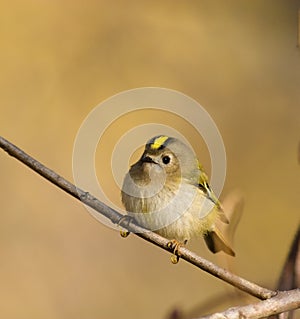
(148, 159)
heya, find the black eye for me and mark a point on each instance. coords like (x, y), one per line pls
(166, 159)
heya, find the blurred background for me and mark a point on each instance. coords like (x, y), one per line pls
(59, 59)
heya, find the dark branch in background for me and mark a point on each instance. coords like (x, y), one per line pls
(290, 275)
(116, 218)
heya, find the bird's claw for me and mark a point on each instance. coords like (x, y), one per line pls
(124, 233)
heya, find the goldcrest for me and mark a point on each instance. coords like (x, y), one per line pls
(167, 191)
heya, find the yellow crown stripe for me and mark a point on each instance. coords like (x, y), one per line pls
(158, 142)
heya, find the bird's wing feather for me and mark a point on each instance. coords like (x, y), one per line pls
(205, 188)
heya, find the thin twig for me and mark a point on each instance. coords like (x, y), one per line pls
(283, 301)
(116, 218)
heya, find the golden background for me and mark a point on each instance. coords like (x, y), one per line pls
(59, 59)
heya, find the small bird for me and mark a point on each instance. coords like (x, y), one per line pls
(167, 191)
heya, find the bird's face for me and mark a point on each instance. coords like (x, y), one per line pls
(161, 162)
(164, 163)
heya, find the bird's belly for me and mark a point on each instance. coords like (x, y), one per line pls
(176, 216)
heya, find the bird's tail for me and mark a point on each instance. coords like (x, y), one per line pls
(220, 236)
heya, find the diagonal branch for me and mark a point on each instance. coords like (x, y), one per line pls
(117, 218)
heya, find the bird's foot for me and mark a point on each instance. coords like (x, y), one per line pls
(174, 245)
(125, 220)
